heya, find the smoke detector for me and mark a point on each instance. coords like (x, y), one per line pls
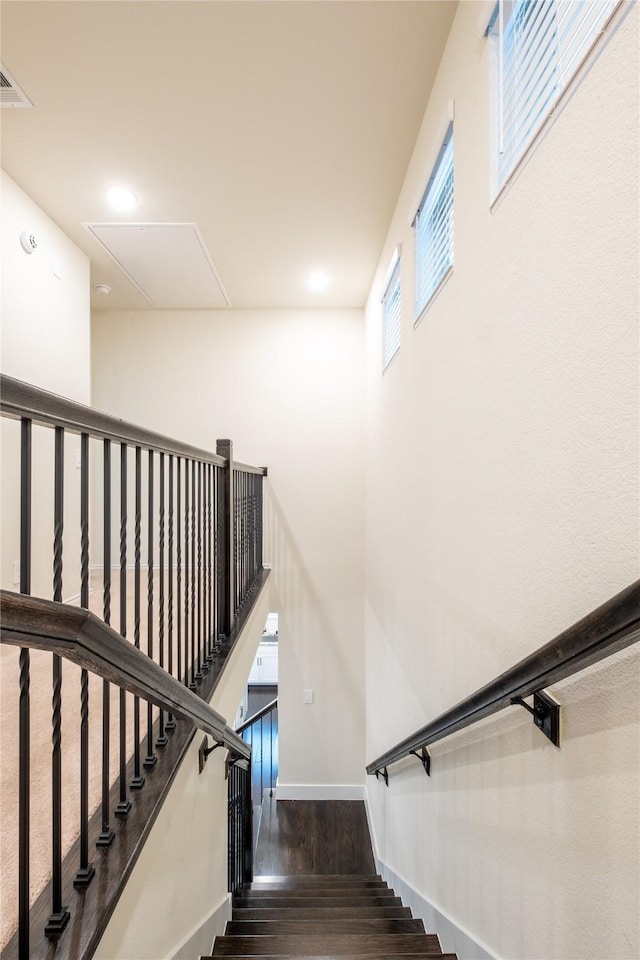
(28, 241)
(102, 288)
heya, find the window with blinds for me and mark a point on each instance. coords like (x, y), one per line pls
(433, 227)
(391, 316)
(542, 44)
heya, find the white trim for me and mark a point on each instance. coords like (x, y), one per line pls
(395, 256)
(201, 937)
(499, 192)
(433, 297)
(319, 791)
(437, 140)
(453, 937)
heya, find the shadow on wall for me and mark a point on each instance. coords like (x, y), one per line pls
(316, 629)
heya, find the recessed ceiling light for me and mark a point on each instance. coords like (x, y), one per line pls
(318, 280)
(121, 198)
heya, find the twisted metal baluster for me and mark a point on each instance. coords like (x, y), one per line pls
(59, 915)
(137, 781)
(124, 804)
(150, 760)
(85, 871)
(106, 834)
(163, 739)
(171, 722)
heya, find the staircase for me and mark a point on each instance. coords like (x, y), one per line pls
(339, 916)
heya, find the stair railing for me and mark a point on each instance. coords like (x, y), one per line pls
(172, 535)
(261, 733)
(606, 630)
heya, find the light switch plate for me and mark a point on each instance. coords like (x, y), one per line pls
(307, 696)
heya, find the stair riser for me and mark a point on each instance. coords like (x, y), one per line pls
(318, 892)
(251, 903)
(318, 878)
(323, 913)
(304, 928)
(260, 888)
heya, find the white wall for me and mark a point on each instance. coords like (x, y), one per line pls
(501, 506)
(45, 340)
(159, 914)
(287, 388)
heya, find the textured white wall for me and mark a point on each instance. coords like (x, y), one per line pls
(44, 340)
(501, 506)
(287, 388)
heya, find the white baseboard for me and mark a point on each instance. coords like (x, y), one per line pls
(319, 791)
(453, 938)
(199, 942)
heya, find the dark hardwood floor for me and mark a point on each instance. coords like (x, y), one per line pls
(313, 837)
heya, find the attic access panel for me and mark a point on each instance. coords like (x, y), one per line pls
(167, 262)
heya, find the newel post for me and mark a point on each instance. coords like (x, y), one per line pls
(224, 448)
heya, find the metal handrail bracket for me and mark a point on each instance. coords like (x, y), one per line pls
(606, 630)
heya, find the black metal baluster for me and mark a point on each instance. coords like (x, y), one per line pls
(223, 556)
(150, 760)
(271, 753)
(261, 760)
(171, 723)
(106, 834)
(202, 667)
(189, 666)
(217, 568)
(85, 871)
(179, 575)
(124, 804)
(259, 523)
(59, 916)
(209, 565)
(24, 732)
(163, 739)
(195, 655)
(137, 780)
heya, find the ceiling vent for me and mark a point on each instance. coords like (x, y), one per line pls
(168, 262)
(10, 93)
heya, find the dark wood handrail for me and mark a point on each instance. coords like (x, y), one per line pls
(19, 399)
(258, 715)
(79, 636)
(603, 632)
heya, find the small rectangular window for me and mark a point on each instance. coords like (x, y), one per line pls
(391, 316)
(542, 45)
(433, 226)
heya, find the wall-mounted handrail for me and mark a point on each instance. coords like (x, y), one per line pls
(79, 636)
(19, 399)
(606, 630)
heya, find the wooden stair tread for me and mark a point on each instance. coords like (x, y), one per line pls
(318, 946)
(314, 912)
(376, 955)
(387, 899)
(372, 925)
(314, 878)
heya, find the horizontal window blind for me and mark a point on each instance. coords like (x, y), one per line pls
(434, 227)
(391, 317)
(542, 45)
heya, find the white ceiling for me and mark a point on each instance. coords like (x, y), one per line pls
(282, 129)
